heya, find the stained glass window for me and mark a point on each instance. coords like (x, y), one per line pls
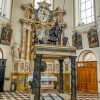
(0, 6)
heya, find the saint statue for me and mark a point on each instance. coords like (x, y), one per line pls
(55, 33)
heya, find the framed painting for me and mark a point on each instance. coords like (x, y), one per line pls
(16, 67)
(27, 67)
(6, 34)
(93, 38)
(57, 68)
(77, 41)
(66, 67)
(50, 67)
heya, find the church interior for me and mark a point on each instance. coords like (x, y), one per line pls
(49, 50)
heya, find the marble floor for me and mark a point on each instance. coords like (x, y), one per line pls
(47, 96)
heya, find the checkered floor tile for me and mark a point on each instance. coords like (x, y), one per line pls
(52, 96)
(47, 96)
(14, 96)
(86, 96)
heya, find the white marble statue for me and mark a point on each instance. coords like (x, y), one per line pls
(15, 51)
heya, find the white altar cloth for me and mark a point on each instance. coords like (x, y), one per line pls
(44, 78)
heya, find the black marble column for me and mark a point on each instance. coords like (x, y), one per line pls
(73, 78)
(37, 77)
(61, 76)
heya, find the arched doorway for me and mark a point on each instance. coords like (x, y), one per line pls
(86, 68)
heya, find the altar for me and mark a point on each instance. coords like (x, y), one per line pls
(44, 78)
(47, 82)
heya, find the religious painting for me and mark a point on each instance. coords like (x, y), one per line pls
(6, 34)
(77, 41)
(65, 67)
(27, 67)
(16, 67)
(50, 67)
(57, 68)
(93, 38)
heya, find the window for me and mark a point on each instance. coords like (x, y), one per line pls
(85, 12)
(49, 1)
(5, 8)
(87, 55)
(0, 6)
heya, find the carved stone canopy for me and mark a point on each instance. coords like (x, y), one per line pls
(48, 51)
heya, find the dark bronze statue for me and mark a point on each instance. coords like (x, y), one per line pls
(55, 33)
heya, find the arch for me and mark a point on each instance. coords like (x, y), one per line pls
(84, 54)
(1, 54)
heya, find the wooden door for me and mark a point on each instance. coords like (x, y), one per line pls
(86, 76)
